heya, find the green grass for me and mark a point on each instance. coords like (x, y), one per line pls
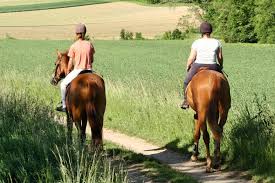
(50, 5)
(144, 86)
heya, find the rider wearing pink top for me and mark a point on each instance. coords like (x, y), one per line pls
(82, 52)
(81, 55)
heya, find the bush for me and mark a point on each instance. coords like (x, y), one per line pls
(153, 1)
(122, 34)
(138, 36)
(175, 34)
(127, 35)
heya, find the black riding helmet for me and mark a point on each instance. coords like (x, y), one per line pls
(205, 27)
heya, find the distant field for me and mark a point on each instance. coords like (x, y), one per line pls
(104, 21)
(20, 6)
(27, 2)
(144, 86)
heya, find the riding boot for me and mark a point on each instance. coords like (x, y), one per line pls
(184, 104)
(60, 108)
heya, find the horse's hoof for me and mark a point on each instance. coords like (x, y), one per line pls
(208, 170)
(194, 158)
(217, 167)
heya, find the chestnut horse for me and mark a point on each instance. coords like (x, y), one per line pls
(85, 100)
(208, 94)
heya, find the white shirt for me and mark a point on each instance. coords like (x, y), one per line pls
(206, 50)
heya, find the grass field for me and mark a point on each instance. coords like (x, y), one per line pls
(144, 86)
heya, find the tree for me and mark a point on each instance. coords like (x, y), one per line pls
(265, 21)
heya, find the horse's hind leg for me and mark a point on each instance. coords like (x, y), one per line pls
(206, 140)
(83, 128)
(97, 131)
(197, 135)
(217, 134)
(96, 124)
(69, 128)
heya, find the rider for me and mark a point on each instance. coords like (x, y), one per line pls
(204, 53)
(81, 55)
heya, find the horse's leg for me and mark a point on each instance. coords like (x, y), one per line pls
(96, 123)
(97, 131)
(83, 128)
(217, 134)
(206, 140)
(78, 127)
(69, 128)
(197, 134)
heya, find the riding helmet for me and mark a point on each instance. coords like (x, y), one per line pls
(205, 27)
(80, 28)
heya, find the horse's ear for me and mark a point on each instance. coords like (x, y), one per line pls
(58, 53)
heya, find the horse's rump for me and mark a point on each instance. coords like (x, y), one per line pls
(85, 93)
(207, 88)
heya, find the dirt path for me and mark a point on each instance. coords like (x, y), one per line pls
(176, 161)
(104, 21)
(172, 159)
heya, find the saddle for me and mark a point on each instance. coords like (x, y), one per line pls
(86, 71)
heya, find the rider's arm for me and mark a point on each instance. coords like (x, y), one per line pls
(191, 58)
(92, 54)
(219, 56)
(70, 65)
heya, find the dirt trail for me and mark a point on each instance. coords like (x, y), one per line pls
(176, 161)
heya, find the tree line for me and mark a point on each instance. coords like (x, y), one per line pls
(247, 21)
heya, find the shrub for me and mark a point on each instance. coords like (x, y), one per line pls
(153, 1)
(129, 35)
(122, 34)
(138, 36)
(175, 34)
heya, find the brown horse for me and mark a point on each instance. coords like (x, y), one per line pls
(85, 100)
(209, 96)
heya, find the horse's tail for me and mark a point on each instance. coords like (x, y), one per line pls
(213, 113)
(95, 108)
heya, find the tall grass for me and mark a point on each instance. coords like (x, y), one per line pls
(250, 143)
(33, 148)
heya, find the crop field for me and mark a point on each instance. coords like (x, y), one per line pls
(31, 5)
(144, 89)
(104, 21)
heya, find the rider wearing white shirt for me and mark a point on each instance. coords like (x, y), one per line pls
(205, 52)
